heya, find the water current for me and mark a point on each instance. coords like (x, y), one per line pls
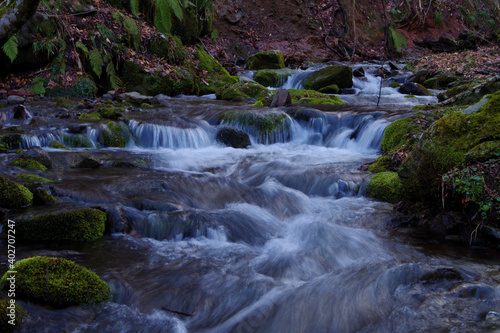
(278, 237)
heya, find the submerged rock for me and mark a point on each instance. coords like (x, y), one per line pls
(335, 74)
(57, 282)
(39, 155)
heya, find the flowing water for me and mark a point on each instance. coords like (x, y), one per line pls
(278, 237)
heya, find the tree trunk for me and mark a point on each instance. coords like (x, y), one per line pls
(12, 21)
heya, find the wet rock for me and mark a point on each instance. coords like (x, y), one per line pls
(394, 66)
(39, 155)
(77, 129)
(347, 91)
(445, 273)
(266, 60)
(135, 98)
(493, 317)
(339, 75)
(359, 72)
(233, 137)
(88, 163)
(15, 99)
(331, 89)
(13, 195)
(38, 121)
(410, 88)
(282, 98)
(308, 114)
(476, 291)
(422, 75)
(42, 197)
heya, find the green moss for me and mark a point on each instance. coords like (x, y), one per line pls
(444, 146)
(395, 85)
(115, 135)
(423, 89)
(14, 195)
(272, 78)
(410, 96)
(441, 81)
(57, 282)
(26, 178)
(84, 87)
(397, 40)
(41, 197)
(242, 90)
(29, 164)
(58, 145)
(493, 104)
(12, 314)
(259, 104)
(77, 141)
(266, 60)
(331, 89)
(386, 186)
(381, 164)
(109, 112)
(82, 224)
(400, 134)
(339, 75)
(454, 91)
(64, 102)
(302, 96)
(261, 125)
(419, 107)
(90, 116)
(482, 152)
(10, 141)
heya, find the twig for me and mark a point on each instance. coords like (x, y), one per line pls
(178, 312)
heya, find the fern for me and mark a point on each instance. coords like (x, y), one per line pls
(133, 32)
(134, 7)
(118, 18)
(81, 46)
(105, 32)
(96, 62)
(10, 48)
(114, 80)
(163, 13)
(38, 86)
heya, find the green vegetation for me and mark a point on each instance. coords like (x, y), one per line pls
(386, 186)
(27, 178)
(266, 60)
(381, 164)
(57, 282)
(397, 40)
(29, 164)
(272, 78)
(302, 96)
(90, 116)
(261, 125)
(394, 85)
(115, 135)
(41, 197)
(58, 145)
(10, 308)
(76, 141)
(241, 91)
(13, 195)
(338, 75)
(81, 224)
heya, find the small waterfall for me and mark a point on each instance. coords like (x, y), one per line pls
(40, 140)
(294, 81)
(163, 136)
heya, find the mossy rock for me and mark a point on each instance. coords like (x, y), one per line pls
(29, 164)
(64, 102)
(58, 145)
(90, 116)
(240, 91)
(109, 112)
(303, 96)
(331, 89)
(266, 60)
(399, 134)
(77, 141)
(445, 145)
(260, 125)
(441, 81)
(386, 186)
(381, 164)
(233, 137)
(10, 141)
(12, 314)
(56, 282)
(272, 78)
(114, 135)
(84, 87)
(394, 85)
(454, 91)
(482, 152)
(13, 195)
(27, 178)
(42, 198)
(339, 75)
(76, 225)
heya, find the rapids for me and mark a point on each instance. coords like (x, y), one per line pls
(278, 237)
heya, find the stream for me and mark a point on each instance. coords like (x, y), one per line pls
(278, 237)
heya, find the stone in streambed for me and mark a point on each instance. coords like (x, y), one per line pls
(13, 195)
(233, 137)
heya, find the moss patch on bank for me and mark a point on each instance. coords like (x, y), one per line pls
(13, 195)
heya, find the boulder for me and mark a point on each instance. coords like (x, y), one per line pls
(134, 98)
(339, 75)
(359, 72)
(410, 88)
(233, 137)
(55, 281)
(39, 155)
(272, 77)
(15, 99)
(281, 98)
(386, 186)
(308, 114)
(13, 195)
(88, 163)
(41, 197)
(266, 60)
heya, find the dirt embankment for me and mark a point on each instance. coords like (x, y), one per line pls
(342, 30)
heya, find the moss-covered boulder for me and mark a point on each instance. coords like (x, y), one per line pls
(10, 141)
(266, 60)
(415, 89)
(399, 134)
(42, 198)
(93, 116)
(242, 91)
(331, 89)
(386, 186)
(13, 195)
(58, 145)
(77, 141)
(302, 96)
(81, 224)
(265, 127)
(114, 134)
(27, 178)
(39, 155)
(272, 77)
(233, 137)
(29, 164)
(11, 316)
(56, 282)
(449, 143)
(381, 164)
(214, 76)
(441, 81)
(454, 91)
(339, 75)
